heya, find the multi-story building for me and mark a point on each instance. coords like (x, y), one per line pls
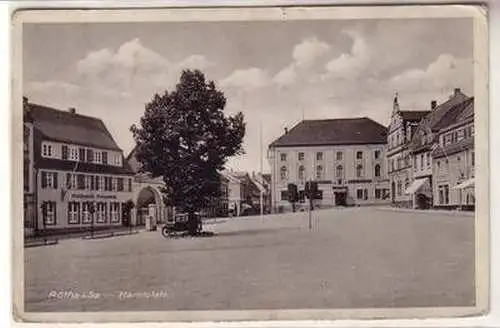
(424, 140)
(80, 177)
(402, 127)
(346, 157)
(453, 164)
(243, 193)
(28, 169)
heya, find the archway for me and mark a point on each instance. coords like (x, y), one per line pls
(148, 203)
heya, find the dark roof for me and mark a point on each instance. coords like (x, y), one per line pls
(413, 115)
(63, 126)
(453, 148)
(439, 114)
(266, 177)
(345, 131)
(54, 164)
(453, 114)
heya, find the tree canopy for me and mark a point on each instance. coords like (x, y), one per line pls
(185, 137)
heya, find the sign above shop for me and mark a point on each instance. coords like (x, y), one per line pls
(93, 196)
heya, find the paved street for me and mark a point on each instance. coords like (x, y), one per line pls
(353, 258)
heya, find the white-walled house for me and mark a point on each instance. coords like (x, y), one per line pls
(345, 156)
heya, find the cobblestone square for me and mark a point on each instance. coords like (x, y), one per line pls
(352, 258)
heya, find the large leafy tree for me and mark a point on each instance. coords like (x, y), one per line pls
(185, 137)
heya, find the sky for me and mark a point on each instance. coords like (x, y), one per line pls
(276, 72)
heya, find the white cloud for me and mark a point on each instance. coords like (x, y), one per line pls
(247, 79)
(194, 62)
(352, 64)
(286, 76)
(446, 72)
(309, 51)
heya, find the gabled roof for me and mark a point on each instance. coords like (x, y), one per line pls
(453, 114)
(64, 126)
(345, 131)
(438, 116)
(413, 115)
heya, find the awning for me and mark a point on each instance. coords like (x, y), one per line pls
(415, 186)
(466, 184)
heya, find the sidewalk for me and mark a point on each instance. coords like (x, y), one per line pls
(430, 211)
(54, 236)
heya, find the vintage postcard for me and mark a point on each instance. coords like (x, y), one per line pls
(251, 163)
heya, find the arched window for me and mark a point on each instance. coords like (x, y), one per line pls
(339, 171)
(400, 187)
(359, 170)
(407, 183)
(302, 173)
(319, 172)
(283, 173)
(377, 170)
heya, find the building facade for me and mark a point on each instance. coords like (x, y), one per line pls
(80, 177)
(29, 200)
(402, 127)
(346, 157)
(453, 165)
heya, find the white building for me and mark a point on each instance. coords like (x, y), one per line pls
(345, 156)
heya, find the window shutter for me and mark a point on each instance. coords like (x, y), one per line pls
(44, 180)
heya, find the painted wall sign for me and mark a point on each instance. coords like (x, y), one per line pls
(93, 196)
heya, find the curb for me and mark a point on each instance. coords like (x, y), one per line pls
(41, 243)
(443, 212)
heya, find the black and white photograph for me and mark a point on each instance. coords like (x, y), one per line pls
(251, 163)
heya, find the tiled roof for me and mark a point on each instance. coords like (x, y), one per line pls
(454, 113)
(453, 148)
(413, 115)
(347, 131)
(439, 114)
(63, 126)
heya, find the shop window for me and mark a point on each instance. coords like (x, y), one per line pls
(73, 213)
(359, 194)
(49, 213)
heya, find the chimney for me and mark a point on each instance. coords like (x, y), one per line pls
(286, 130)
(433, 104)
(72, 110)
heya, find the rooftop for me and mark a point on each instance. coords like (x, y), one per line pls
(70, 127)
(414, 115)
(343, 131)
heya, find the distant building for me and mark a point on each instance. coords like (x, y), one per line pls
(30, 207)
(80, 178)
(345, 156)
(402, 127)
(424, 141)
(453, 160)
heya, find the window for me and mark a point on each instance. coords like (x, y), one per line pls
(98, 157)
(114, 184)
(472, 158)
(400, 188)
(114, 212)
(105, 157)
(81, 181)
(284, 195)
(319, 156)
(73, 213)
(71, 181)
(88, 182)
(90, 155)
(359, 155)
(359, 194)
(49, 213)
(377, 170)
(283, 157)
(86, 218)
(283, 173)
(319, 172)
(46, 150)
(339, 171)
(377, 154)
(447, 139)
(407, 183)
(319, 195)
(65, 152)
(458, 159)
(428, 160)
(49, 180)
(120, 184)
(73, 154)
(339, 156)
(108, 183)
(460, 135)
(421, 161)
(359, 170)
(366, 194)
(101, 213)
(301, 174)
(129, 185)
(301, 156)
(81, 154)
(97, 183)
(378, 193)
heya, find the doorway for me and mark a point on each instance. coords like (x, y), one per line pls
(340, 198)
